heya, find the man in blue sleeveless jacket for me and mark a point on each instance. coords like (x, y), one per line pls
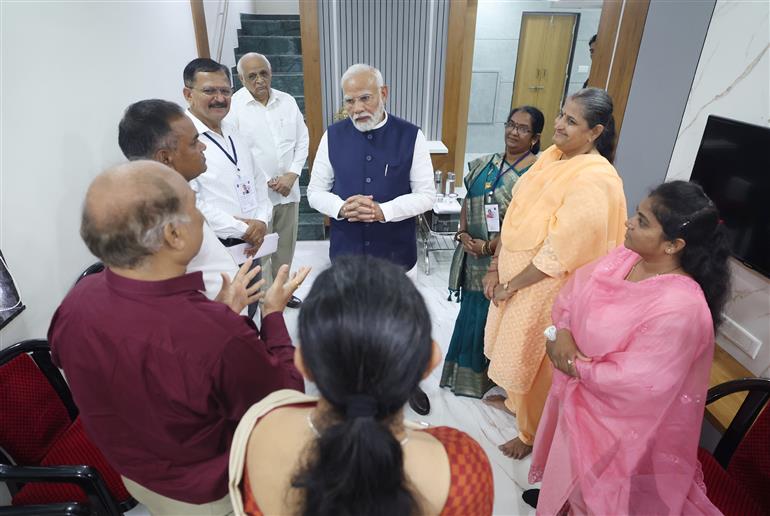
(372, 176)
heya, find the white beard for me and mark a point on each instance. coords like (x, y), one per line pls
(374, 119)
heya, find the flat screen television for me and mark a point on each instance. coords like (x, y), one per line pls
(733, 167)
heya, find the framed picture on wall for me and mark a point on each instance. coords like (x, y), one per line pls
(10, 300)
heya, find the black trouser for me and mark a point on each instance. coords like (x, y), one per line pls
(230, 242)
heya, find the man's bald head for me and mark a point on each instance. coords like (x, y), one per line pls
(126, 210)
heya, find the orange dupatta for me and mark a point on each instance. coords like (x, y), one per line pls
(577, 203)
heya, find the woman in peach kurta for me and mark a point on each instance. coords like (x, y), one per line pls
(568, 210)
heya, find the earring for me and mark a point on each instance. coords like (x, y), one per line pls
(669, 251)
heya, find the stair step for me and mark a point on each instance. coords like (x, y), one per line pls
(269, 28)
(281, 45)
(245, 16)
(291, 83)
(311, 226)
(304, 205)
(304, 178)
(315, 232)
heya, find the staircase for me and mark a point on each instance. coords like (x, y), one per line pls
(278, 38)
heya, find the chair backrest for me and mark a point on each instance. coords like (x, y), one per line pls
(91, 269)
(744, 449)
(750, 464)
(33, 415)
(40, 426)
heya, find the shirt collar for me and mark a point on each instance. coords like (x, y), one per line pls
(187, 282)
(248, 98)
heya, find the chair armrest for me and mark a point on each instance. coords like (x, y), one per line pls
(86, 477)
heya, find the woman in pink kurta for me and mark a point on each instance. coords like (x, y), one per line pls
(632, 354)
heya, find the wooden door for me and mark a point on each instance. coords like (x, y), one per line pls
(546, 43)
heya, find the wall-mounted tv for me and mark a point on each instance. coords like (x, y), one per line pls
(733, 167)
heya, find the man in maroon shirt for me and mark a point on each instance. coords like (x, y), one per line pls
(161, 374)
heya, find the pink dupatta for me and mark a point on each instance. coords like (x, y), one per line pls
(624, 436)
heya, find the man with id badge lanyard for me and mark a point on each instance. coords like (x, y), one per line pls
(232, 193)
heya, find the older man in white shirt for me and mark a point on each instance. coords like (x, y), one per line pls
(272, 125)
(372, 175)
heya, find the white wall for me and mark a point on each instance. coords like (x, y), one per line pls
(222, 23)
(498, 23)
(69, 70)
(223, 19)
(733, 80)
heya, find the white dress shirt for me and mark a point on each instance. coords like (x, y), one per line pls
(212, 260)
(276, 135)
(420, 200)
(217, 196)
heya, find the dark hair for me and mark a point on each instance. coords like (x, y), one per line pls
(202, 64)
(592, 40)
(685, 211)
(146, 126)
(365, 334)
(597, 109)
(538, 121)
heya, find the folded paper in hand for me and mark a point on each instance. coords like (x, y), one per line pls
(269, 246)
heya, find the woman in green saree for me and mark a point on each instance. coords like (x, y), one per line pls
(489, 186)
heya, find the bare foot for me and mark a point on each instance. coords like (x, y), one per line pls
(515, 449)
(497, 401)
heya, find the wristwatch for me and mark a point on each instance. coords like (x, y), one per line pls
(550, 333)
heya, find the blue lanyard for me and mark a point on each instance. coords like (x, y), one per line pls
(500, 173)
(234, 157)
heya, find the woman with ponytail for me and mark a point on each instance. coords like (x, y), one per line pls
(365, 341)
(566, 211)
(632, 346)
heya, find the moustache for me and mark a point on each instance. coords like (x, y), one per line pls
(216, 105)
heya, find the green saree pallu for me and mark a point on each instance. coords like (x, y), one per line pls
(465, 367)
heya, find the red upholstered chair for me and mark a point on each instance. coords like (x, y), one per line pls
(50, 464)
(737, 475)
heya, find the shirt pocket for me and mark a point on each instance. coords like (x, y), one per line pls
(397, 170)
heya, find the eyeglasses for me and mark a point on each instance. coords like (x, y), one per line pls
(521, 129)
(210, 92)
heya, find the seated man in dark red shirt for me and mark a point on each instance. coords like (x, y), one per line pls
(161, 374)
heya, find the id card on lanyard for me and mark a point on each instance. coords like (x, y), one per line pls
(491, 208)
(244, 186)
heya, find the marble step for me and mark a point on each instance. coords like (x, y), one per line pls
(311, 227)
(304, 205)
(291, 83)
(245, 16)
(280, 45)
(304, 177)
(269, 28)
